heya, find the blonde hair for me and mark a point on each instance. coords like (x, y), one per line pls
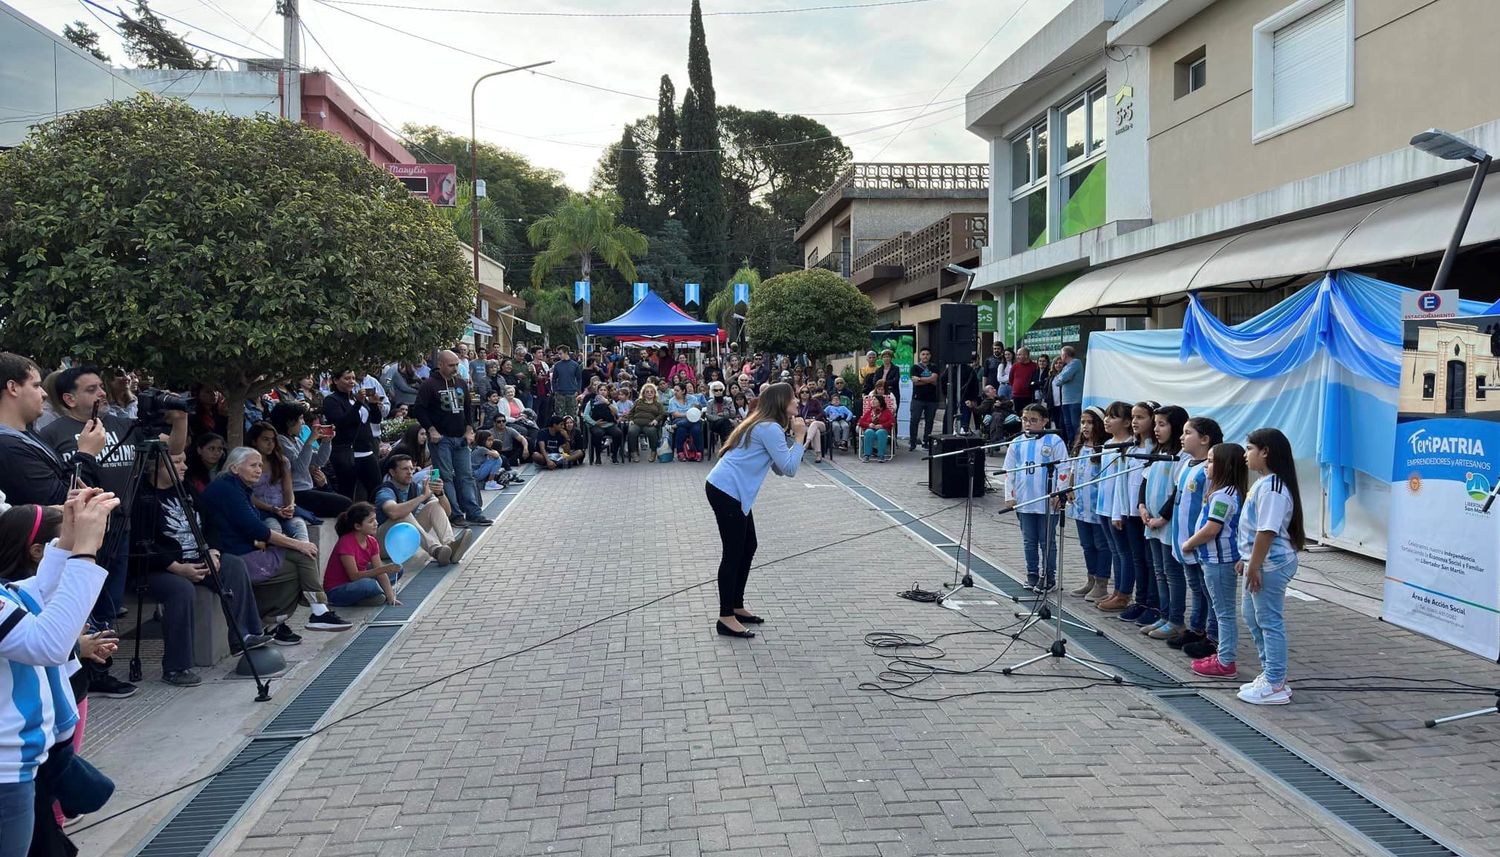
(655, 393)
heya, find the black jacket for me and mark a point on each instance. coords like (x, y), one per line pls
(33, 473)
(443, 404)
(351, 422)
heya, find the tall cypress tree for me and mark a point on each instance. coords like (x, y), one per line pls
(668, 184)
(701, 164)
(630, 183)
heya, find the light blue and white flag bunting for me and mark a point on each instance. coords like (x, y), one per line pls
(580, 291)
(691, 292)
(742, 293)
(640, 291)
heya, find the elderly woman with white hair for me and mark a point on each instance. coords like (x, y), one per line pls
(720, 412)
(281, 568)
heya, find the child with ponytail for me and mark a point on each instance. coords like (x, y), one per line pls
(1199, 436)
(1156, 510)
(1271, 533)
(1111, 508)
(1145, 611)
(354, 575)
(1081, 474)
(1215, 543)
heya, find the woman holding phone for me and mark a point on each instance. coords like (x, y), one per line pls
(757, 445)
(306, 448)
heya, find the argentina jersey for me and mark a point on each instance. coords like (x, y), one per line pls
(1222, 506)
(1190, 488)
(1268, 508)
(36, 703)
(1111, 464)
(1027, 478)
(1081, 476)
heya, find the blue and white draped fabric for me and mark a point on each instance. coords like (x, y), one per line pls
(1322, 365)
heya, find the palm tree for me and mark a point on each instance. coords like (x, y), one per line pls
(580, 228)
(720, 310)
(552, 311)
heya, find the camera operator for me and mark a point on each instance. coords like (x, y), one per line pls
(33, 472)
(352, 412)
(80, 393)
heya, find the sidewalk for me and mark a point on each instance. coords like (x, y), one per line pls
(650, 735)
(1444, 778)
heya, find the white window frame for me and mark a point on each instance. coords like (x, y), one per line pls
(1039, 172)
(1200, 62)
(1262, 39)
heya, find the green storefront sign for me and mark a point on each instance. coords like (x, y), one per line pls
(1050, 340)
(989, 316)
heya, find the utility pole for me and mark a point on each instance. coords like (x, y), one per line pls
(291, 61)
(474, 150)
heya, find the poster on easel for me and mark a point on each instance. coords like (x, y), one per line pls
(1443, 557)
(903, 345)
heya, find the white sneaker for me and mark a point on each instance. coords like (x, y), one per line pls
(1258, 680)
(1264, 693)
(492, 485)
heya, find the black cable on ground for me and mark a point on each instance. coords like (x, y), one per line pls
(508, 655)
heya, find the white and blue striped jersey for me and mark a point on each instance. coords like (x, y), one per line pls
(1106, 498)
(1222, 506)
(1191, 485)
(1161, 478)
(1027, 478)
(1128, 488)
(36, 703)
(1268, 508)
(1080, 473)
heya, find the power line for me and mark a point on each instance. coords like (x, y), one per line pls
(967, 63)
(723, 14)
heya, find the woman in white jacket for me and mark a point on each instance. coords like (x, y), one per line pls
(40, 618)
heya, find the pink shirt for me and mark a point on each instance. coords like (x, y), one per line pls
(365, 555)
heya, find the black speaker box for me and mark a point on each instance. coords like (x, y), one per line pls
(957, 334)
(945, 476)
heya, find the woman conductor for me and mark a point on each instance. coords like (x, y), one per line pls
(756, 445)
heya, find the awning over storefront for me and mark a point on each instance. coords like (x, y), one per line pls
(1411, 225)
(480, 326)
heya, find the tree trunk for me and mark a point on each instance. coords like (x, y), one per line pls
(234, 404)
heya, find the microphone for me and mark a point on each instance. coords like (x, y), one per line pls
(1124, 444)
(1150, 456)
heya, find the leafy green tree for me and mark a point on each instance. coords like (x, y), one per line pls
(668, 184)
(516, 191)
(721, 308)
(814, 312)
(581, 228)
(201, 247)
(85, 38)
(784, 160)
(551, 309)
(630, 184)
(669, 262)
(149, 43)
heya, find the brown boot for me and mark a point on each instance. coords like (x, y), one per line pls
(1114, 603)
(1100, 592)
(1086, 588)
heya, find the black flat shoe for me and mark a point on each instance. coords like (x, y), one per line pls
(749, 620)
(726, 631)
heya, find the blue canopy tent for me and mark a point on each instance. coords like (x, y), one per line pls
(1323, 366)
(652, 316)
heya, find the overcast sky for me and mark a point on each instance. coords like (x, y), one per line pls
(862, 72)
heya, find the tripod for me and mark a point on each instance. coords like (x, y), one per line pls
(1493, 709)
(965, 555)
(150, 454)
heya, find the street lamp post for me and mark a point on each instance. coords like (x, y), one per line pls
(1450, 147)
(474, 152)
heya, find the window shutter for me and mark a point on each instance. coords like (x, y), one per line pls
(1308, 63)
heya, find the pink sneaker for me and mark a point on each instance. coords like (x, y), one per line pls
(1211, 668)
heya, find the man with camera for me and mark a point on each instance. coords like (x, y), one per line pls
(424, 505)
(80, 399)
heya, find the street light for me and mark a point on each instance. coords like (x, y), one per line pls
(474, 152)
(1450, 147)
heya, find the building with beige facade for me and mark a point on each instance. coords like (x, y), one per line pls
(1454, 370)
(1251, 146)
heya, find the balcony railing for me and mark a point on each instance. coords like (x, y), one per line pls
(901, 177)
(835, 262)
(920, 254)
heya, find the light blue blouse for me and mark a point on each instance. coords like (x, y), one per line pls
(741, 471)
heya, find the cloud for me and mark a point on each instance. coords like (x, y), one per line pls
(834, 62)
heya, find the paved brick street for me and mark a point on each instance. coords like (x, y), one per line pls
(650, 735)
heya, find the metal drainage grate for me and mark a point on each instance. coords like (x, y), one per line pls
(314, 700)
(201, 823)
(414, 593)
(1339, 799)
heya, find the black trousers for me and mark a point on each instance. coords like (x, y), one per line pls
(351, 472)
(737, 532)
(324, 504)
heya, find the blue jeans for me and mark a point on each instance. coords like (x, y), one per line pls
(1145, 577)
(487, 470)
(1222, 585)
(1095, 546)
(1068, 417)
(17, 816)
(352, 593)
(1171, 588)
(1263, 616)
(682, 429)
(1039, 538)
(1202, 617)
(448, 454)
(873, 442)
(1124, 565)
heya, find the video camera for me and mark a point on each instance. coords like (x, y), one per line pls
(153, 404)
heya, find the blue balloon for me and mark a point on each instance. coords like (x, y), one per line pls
(402, 542)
